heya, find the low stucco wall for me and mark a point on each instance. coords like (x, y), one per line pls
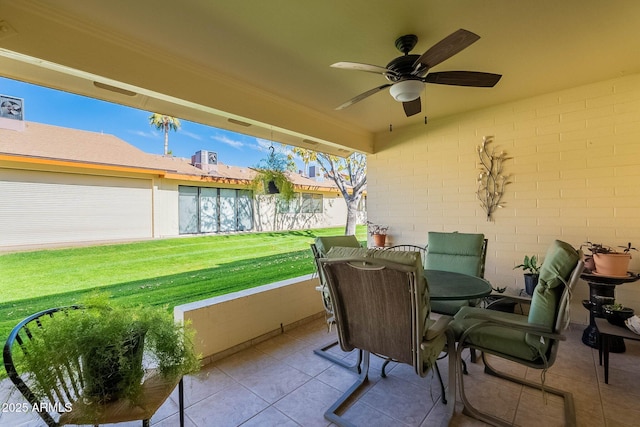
(231, 322)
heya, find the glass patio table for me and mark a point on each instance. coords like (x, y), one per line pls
(446, 285)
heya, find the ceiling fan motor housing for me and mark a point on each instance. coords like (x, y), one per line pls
(403, 66)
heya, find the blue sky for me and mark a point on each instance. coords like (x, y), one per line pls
(44, 105)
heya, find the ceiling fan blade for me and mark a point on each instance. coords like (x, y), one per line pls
(363, 67)
(446, 48)
(463, 78)
(362, 96)
(412, 107)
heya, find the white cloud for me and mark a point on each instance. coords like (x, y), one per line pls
(144, 134)
(228, 141)
(191, 135)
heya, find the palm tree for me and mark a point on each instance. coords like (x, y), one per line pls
(164, 123)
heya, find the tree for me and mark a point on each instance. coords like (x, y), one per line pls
(349, 175)
(165, 124)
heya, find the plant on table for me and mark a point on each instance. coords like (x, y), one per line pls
(378, 233)
(531, 270)
(606, 260)
(111, 341)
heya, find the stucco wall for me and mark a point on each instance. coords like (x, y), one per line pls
(575, 177)
(230, 322)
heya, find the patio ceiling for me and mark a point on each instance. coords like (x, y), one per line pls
(262, 67)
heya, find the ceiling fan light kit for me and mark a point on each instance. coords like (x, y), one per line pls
(408, 73)
(407, 90)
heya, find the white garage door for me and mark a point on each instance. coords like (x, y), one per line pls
(48, 207)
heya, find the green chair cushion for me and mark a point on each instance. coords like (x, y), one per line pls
(324, 244)
(499, 339)
(456, 252)
(560, 260)
(448, 307)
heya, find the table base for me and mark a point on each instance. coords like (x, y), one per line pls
(591, 337)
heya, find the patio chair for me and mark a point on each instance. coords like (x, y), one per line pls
(422, 250)
(381, 304)
(64, 403)
(531, 340)
(457, 252)
(320, 248)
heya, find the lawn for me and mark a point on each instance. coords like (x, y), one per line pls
(158, 272)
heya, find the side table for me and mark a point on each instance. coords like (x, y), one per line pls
(608, 333)
(601, 292)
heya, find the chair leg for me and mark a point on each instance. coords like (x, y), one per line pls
(181, 400)
(332, 412)
(569, 407)
(322, 352)
(437, 369)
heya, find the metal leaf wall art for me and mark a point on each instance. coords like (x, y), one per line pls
(491, 180)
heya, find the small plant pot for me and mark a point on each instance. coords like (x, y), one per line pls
(617, 317)
(613, 265)
(272, 188)
(530, 282)
(589, 264)
(109, 371)
(379, 239)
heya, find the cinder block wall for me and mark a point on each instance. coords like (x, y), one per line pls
(575, 173)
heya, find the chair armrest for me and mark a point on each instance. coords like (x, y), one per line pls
(438, 328)
(488, 320)
(516, 298)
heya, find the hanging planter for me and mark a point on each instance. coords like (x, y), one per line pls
(269, 181)
(272, 188)
(271, 177)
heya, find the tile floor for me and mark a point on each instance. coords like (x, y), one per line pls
(280, 382)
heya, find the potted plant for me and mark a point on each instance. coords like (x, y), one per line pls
(531, 270)
(616, 314)
(607, 261)
(110, 341)
(378, 233)
(271, 176)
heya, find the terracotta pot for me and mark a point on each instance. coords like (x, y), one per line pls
(615, 265)
(379, 239)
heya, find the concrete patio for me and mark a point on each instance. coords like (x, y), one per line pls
(281, 382)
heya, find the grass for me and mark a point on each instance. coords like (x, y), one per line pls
(159, 272)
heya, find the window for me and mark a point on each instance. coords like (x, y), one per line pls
(316, 203)
(209, 210)
(301, 203)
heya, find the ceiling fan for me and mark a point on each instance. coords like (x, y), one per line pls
(408, 73)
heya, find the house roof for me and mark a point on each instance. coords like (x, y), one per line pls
(47, 143)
